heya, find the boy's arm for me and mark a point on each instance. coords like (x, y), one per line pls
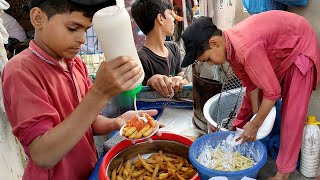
(48, 149)
(160, 83)
(178, 81)
(258, 68)
(103, 125)
(255, 102)
(252, 127)
(112, 78)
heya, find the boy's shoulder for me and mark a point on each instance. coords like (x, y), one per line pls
(172, 45)
(21, 60)
(28, 62)
(173, 48)
(146, 54)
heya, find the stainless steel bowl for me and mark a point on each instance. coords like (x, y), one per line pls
(146, 149)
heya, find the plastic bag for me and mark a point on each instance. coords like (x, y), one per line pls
(179, 121)
(231, 139)
(258, 6)
(294, 2)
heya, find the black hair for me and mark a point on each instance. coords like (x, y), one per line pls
(53, 7)
(144, 12)
(205, 45)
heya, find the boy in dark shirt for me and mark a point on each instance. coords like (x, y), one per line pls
(160, 59)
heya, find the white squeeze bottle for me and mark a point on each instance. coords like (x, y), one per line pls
(310, 148)
(114, 32)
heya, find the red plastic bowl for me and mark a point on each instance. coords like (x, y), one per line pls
(126, 143)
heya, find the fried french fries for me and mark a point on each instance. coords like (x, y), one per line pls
(119, 178)
(155, 171)
(145, 164)
(150, 119)
(114, 174)
(148, 132)
(163, 176)
(133, 135)
(130, 131)
(136, 129)
(128, 166)
(145, 128)
(138, 135)
(157, 167)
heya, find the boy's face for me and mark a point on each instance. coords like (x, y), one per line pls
(217, 52)
(168, 23)
(63, 34)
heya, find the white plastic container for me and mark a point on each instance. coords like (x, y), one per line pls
(318, 172)
(113, 28)
(263, 131)
(310, 148)
(267, 124)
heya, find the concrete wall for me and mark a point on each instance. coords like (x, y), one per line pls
(240, 13)
(12, 158)
(226, 13)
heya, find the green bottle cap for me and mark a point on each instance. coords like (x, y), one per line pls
(133, 93)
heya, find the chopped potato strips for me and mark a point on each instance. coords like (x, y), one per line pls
(222, 160)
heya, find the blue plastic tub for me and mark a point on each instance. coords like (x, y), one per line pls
(255, 150)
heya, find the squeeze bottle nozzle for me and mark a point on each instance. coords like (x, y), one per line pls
(133, 93)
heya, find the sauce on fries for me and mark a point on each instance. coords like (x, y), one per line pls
(136, 128)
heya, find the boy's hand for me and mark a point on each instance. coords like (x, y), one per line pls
(122, 120)
(250, 132)
(162, 84)
(116, 76)
(177, 83)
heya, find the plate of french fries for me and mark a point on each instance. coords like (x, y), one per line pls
(137, 129)
(154, 166)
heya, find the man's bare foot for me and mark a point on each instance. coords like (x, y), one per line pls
(280, 176)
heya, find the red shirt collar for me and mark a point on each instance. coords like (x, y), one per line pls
(40, 53)
(229, 47)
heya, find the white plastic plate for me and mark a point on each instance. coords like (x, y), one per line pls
(142, 138)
